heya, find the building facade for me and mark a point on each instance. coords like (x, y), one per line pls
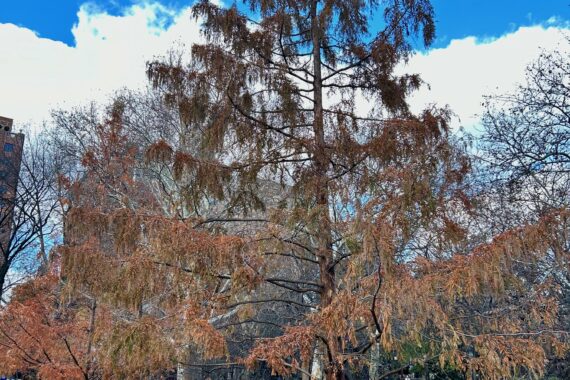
(11, 146)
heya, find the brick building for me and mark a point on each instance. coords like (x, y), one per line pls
(11, 145)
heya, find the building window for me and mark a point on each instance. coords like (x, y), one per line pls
(8, 147)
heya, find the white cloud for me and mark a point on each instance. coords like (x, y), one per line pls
(38, 74)
(467, 69)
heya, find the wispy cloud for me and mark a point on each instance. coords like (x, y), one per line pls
(463, 72)
(110, 52)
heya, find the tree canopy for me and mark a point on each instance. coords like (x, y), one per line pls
(247, 211)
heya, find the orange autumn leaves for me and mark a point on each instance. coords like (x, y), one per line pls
(38, 332)
(269, 227)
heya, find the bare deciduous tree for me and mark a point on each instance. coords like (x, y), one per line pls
(29, 216)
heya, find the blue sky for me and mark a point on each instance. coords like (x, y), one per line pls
(64, 53)
(492, 18)
(456, 19)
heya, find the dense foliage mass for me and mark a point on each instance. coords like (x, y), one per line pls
(246, 214)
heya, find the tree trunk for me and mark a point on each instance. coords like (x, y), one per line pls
(43, 253)
(317, 364)
(91, 332)
(183, 370)
(374, 362)
(4, 265)
(305, 375)
(333, 370)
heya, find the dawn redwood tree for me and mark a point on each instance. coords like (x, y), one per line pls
(258, 89)
(365, 251)
(100, 267)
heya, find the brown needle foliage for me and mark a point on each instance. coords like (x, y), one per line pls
(38, 333)
(365, 244)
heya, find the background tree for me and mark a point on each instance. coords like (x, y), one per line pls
(524, 167)
(527, 135)
(30, 216)
(257, 95)
(42, 337)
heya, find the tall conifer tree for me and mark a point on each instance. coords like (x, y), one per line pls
(332, 233)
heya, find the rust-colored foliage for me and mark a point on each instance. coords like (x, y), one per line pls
(39, 333)
(281, 225)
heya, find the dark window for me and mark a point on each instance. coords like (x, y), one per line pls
(8, 147)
